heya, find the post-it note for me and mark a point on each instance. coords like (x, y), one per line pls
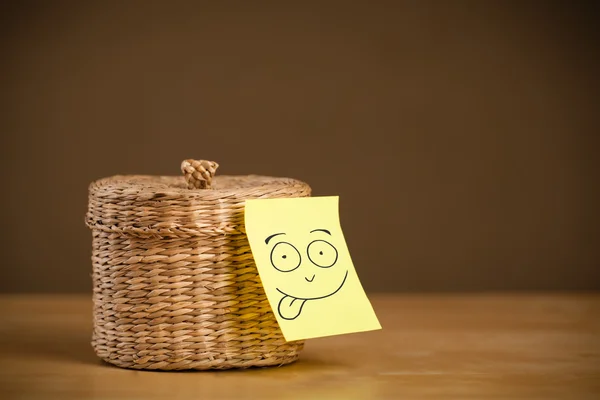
(305, 267)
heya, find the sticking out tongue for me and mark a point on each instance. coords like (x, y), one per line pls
(290, 307)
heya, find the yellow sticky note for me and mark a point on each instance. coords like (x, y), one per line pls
(305, 267)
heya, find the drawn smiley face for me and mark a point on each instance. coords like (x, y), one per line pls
(305, 267)
(311, 272)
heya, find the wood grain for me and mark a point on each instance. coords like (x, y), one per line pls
(432, 347)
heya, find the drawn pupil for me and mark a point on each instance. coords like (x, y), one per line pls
(284, 256)
(321, 253)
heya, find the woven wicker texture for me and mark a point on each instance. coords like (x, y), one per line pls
(199, 173)
(175, 284)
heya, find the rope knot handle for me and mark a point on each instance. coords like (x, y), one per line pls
(199, 173)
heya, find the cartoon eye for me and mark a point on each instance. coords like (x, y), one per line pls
(322, 253)
(285, 257)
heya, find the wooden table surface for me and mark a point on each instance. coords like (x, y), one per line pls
(510, 346)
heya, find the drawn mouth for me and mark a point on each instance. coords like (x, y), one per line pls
(311, 279)
(290, 307)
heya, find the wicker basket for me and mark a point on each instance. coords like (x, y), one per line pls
(175, 284)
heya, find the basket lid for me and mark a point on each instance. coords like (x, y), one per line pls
(181, 205)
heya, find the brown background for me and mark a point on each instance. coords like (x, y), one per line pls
(461, 136)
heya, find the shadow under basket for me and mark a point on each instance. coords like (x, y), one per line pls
(175, 284)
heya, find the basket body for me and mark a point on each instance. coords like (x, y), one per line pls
(175, 284)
